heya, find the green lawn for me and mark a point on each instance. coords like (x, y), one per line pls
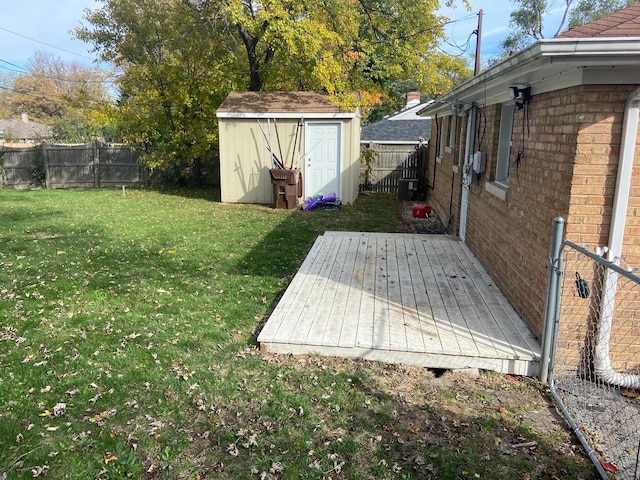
(128, 350)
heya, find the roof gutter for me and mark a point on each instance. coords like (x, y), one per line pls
(288, 115)
(573, 52)
(602, 361)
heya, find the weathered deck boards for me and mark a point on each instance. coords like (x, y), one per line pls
(400, 298)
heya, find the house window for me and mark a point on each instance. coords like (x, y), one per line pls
(504, 145)
(444, 132)
(452, 130)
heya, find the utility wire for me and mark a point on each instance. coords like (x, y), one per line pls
(41, 75)
(464, 48)
(47, 44)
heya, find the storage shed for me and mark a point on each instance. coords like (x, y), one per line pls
(302, 130)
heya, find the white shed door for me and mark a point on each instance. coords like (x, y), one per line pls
(322, 162)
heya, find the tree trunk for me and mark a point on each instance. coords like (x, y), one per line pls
(255, 82)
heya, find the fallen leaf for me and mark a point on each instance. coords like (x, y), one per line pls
(251, 443)
(71, 392)
(233, 450)
(609, 467)
(40, 470)
(59, 409)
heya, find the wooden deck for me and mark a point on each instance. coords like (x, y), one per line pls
(399, 298)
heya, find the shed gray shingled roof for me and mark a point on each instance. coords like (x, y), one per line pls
(623, 23)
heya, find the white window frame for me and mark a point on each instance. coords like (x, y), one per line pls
(444, 122)
(452, 130)
(504, 144)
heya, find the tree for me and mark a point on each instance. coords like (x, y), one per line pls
(334, 45)
(527, 20)
(587, 11)
(52, 89)
(180, 58)
(172, 76)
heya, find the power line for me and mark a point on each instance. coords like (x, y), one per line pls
(47, 44)
(49, 77)
(463, 48)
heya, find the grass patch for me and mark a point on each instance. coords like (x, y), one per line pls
(128, 350)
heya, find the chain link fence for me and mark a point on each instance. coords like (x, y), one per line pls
(595, 364)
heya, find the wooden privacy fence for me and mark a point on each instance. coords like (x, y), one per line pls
(18, 166)
(94, 164)
(393, 163)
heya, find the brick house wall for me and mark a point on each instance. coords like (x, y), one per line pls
(600, 112)
(568, 168)
(447, 172)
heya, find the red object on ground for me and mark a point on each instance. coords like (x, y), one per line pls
(420, 211)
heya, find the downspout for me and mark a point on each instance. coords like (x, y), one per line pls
(602, 361)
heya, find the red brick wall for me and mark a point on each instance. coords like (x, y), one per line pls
(570, 147)
(441, 199)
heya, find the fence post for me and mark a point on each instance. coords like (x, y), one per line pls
(96, 163)
(45, 162)
(553, 296)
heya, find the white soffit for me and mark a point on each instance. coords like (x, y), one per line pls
(546, 66)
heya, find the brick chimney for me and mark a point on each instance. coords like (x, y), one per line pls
(412, 99)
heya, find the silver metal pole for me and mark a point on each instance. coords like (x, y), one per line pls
(553, 297)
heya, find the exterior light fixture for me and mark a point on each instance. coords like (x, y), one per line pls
(522, 96)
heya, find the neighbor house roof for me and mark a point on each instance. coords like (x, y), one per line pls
(403, 127)
(281, 104)
(623, 23)
(24, 130)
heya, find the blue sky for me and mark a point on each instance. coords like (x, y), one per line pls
(495, 25)
(47, 21)
(51, 22)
